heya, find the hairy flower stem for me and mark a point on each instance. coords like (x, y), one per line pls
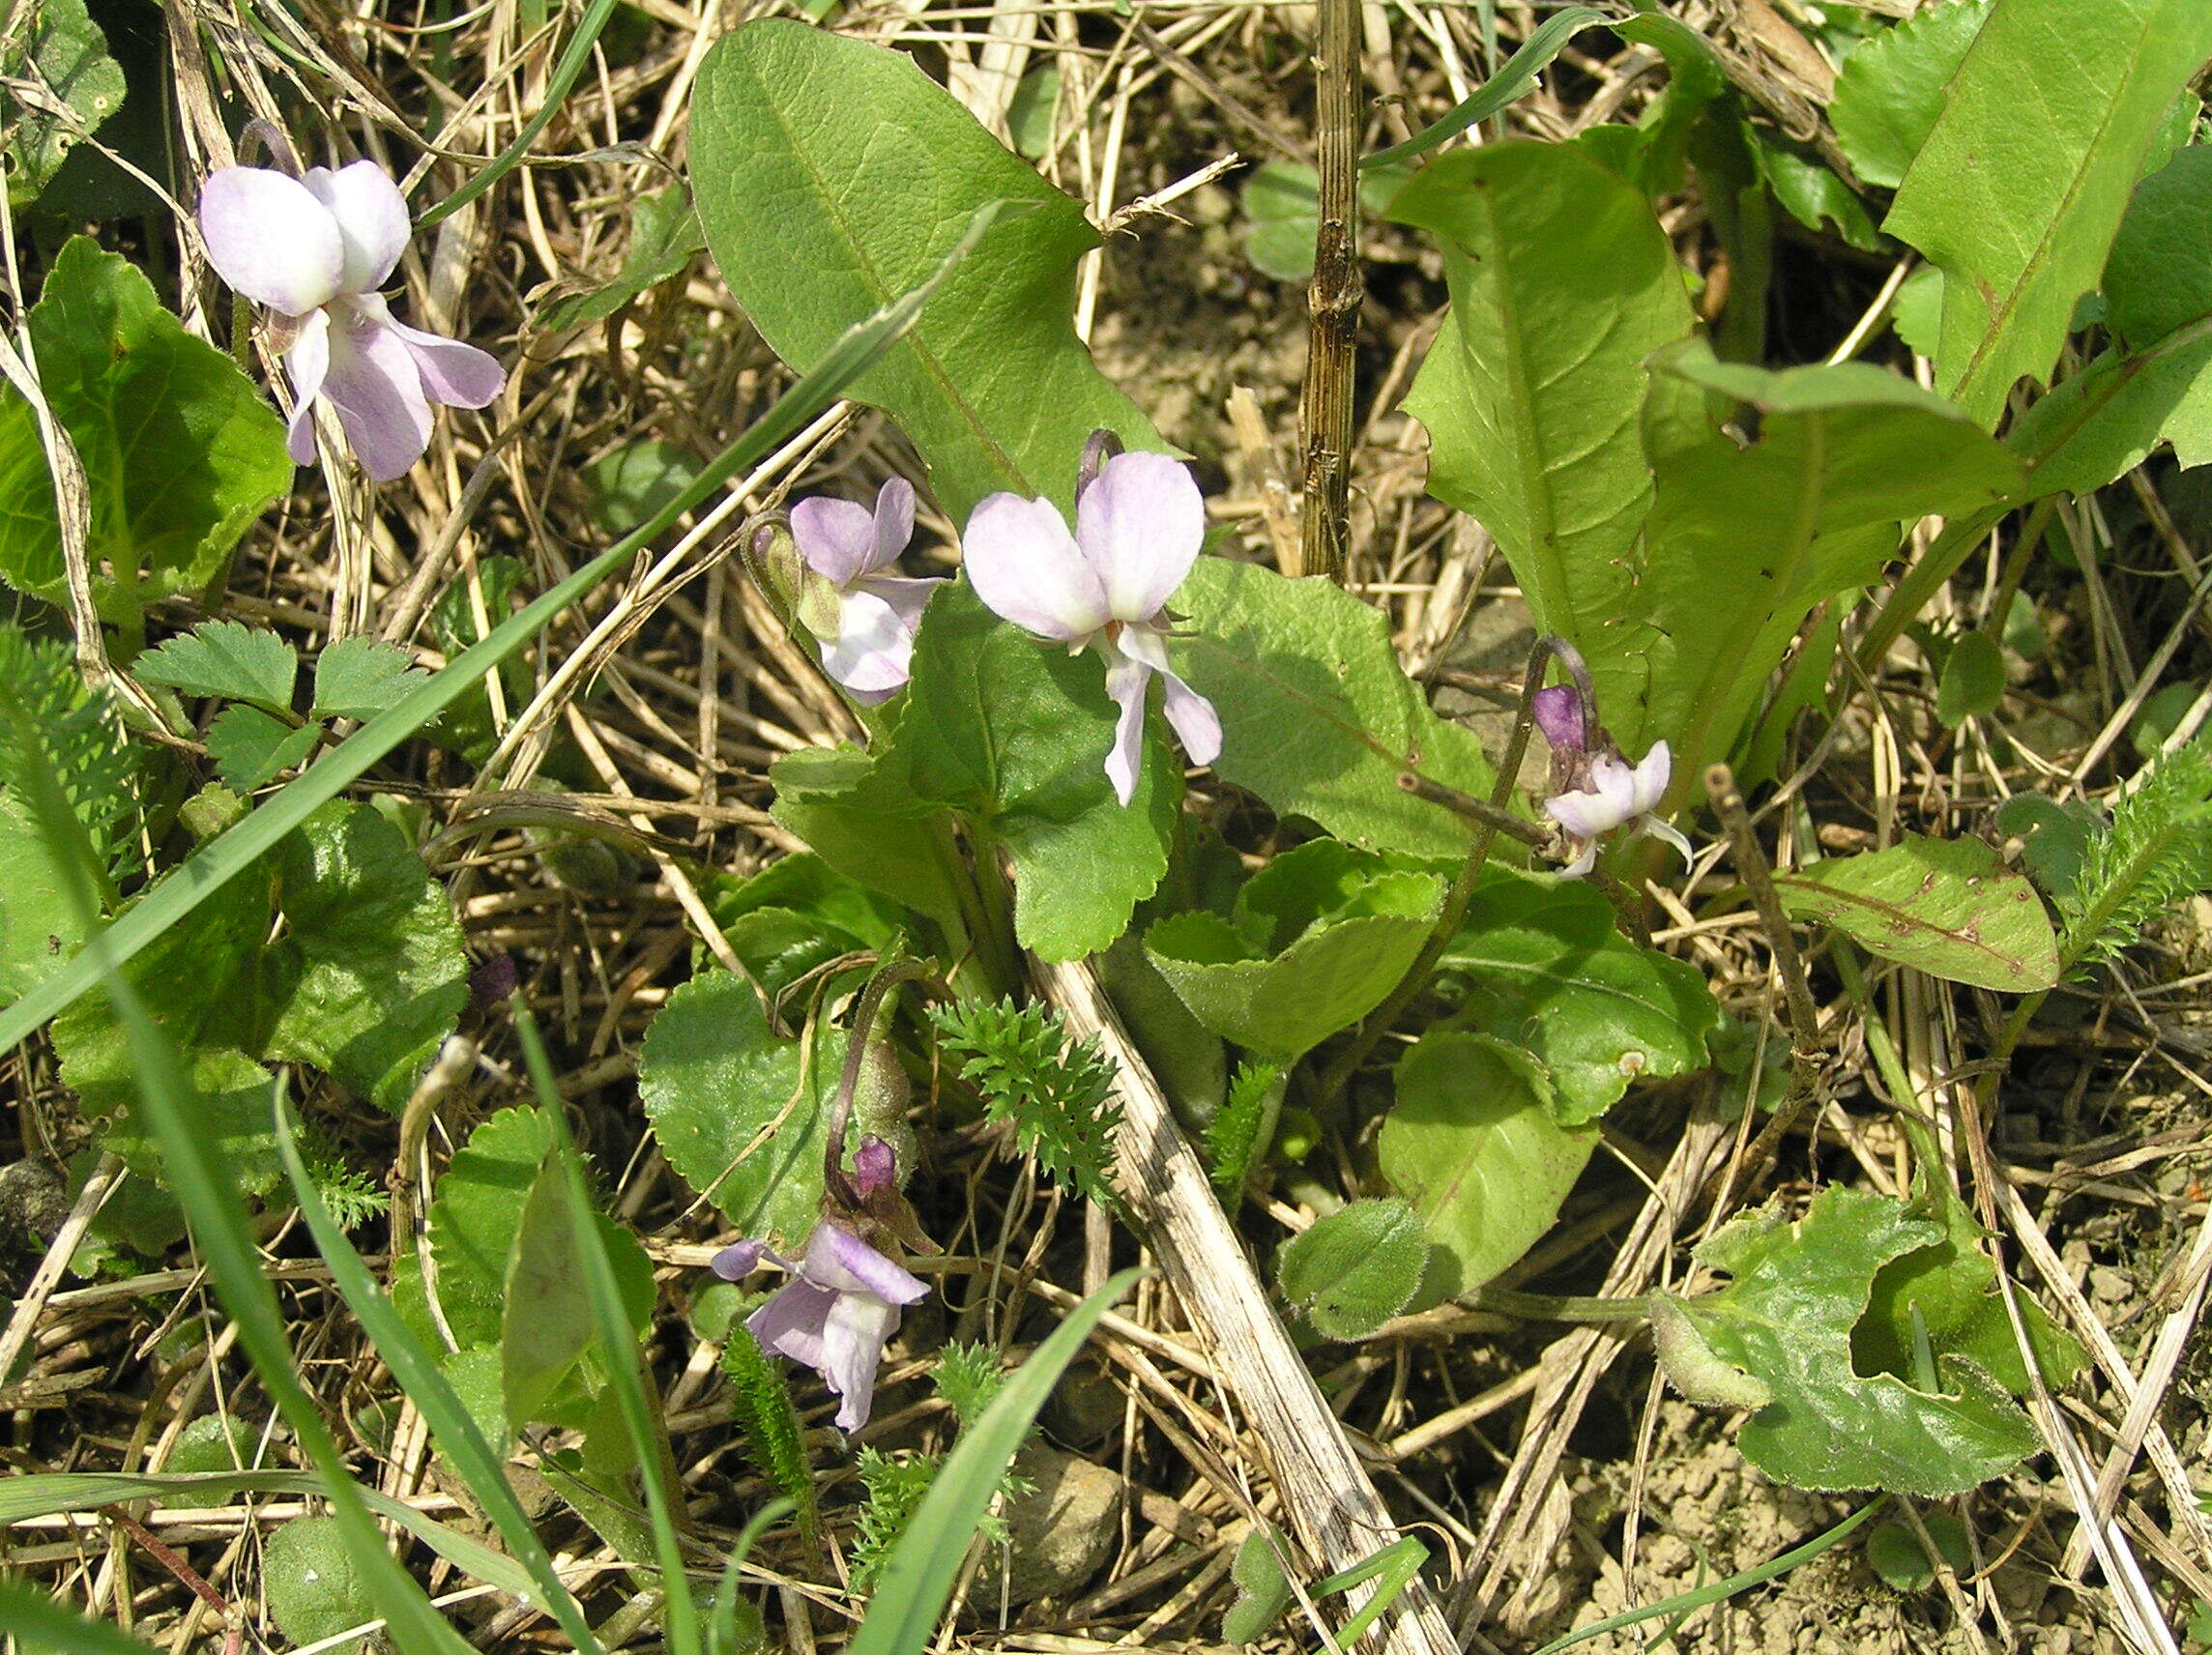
(879, 986)
(1456, 900)
(1804, 1017)
(986, 956)
(998, 904)
(1557, 1307)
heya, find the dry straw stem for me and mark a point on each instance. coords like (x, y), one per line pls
(1334, 1509)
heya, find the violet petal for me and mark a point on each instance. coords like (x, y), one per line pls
(1651, 778)
(453, 374)
(270, 238)
(371, 217)
(1125, 680)
(1192, 717)
(1027, 568)
(894, 522)
(790, 1325)
(839, 1258)
(835, 537)
(853, 1337)
(374, 383)
(1141, 526)
(309, 362)
(873, 646)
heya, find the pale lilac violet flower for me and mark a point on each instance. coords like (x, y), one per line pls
(316, 249)
(1138, 528)
(867, 641)
(1594, 790)
(835, 1315)
(1617, 797)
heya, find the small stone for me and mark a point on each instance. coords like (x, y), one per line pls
(2108, 1286)
(1058, 1536)
(34, 1203)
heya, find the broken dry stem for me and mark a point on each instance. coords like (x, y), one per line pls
(1334, 297)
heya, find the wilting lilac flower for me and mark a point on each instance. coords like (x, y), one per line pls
(867, 642)
(1617, 797)
(1594, 790)
(1138, 528)
(316, 250)
(841, 1304)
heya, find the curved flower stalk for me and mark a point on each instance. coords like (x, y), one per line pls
(1137, 527)
(843, 1300)
(1594, 790)
(867, 633)
(316, 249)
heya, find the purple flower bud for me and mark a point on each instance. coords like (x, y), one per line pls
(875, 1169)
(494, 980)
(734, 1263)
(1559, 715)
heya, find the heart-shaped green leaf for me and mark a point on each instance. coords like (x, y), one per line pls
(1474, 1144)
(1786, 1321)
(1317, 715)
(1545, 968)
(180, 450)
(733, 1113)
(1320, 938)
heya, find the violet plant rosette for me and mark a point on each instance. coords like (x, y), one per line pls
(1138, 524)
(316, 249)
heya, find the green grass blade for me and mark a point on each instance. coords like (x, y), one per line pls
(202, 1184)
(426, 1386)
(577, 54)
(917, 1579)
(221, 860)
(46, 1493)
(1720, 1589)
(46, 1627)
(1500, 89)
(618, 1347)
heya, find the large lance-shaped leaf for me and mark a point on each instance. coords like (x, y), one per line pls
(1746, 539)
(1473, 1145)
(1319, 940)
(1562, 283)
(1545, 966)
(1946, 907)
(1317, 715)
(2021, 185)
(833, 176)
(2154, 383)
